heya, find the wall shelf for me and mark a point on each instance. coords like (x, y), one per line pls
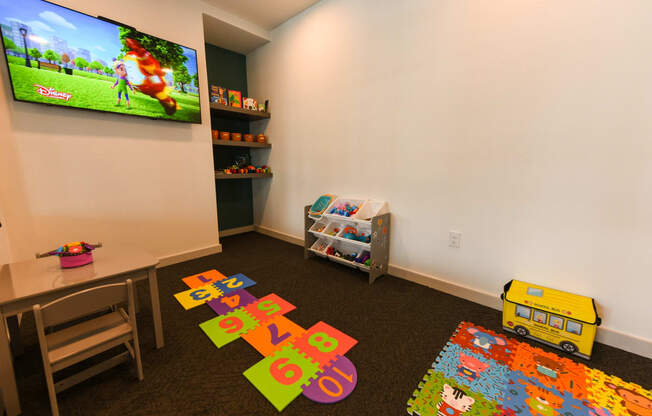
(236, 113)
(232, 143)
(222, 175)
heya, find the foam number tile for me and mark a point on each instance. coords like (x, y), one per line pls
(335, 383)
(273, 335)
(201, 279)
(268, 307)
(323, 343)
(233, 300)
(279, 377)
(233, 283)
(198, 296)
(226, 328)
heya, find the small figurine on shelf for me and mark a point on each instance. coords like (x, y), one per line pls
(74, 254)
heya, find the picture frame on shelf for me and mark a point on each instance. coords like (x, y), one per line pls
(250, 103)
(219, 95)
(235, 98)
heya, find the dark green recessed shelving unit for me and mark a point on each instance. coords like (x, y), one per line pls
(234, 192)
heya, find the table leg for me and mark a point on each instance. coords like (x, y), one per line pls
(156, 306)
(14, 333)
(7, 377)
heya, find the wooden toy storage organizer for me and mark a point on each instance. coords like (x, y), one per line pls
(378, 248)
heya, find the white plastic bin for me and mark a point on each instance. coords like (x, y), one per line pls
(343, 201)
(318, 228)
(360, 229)
(320, 246)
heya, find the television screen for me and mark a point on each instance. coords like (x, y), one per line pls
(62, 57)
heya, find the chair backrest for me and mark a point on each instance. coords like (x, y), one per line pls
(85, 302)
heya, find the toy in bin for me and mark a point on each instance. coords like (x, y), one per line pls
(345, 210)
(351, 233)
(74, 254)
(559, 319)
(321, 204)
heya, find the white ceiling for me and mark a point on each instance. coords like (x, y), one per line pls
(264, 13)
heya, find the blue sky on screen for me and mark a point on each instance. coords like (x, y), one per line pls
(79, 31)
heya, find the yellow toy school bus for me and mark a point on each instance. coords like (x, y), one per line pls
(550, 316)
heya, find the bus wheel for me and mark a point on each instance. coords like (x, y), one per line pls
(569, 347)
(522, 331)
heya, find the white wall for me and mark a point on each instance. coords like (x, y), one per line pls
(523, 124)
(68, 175)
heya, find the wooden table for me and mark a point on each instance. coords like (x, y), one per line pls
(27, 283)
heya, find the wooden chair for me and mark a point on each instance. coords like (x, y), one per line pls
(78, 342)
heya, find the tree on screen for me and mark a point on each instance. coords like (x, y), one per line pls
(80, 62)
(169, 54)
(9, 44)
(65, 58)
(182, 77)
(195, 80)
(96, 66)
(34, 53)
(51, 55)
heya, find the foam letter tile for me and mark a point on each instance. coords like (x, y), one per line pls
(268, 307)
(226, 328)
(201, 279)
(323, 343)
(198, 296)
(279, 377)
(233, 283)
(273, 335)
(233, 300)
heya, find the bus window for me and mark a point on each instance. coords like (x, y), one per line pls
(540, 317)
(556, 322)
(523, 311)
(574, 327)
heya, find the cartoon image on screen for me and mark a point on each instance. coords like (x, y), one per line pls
(62, 57)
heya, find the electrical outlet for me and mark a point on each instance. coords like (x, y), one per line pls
(454, 239)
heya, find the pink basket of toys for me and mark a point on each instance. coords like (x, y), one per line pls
(74, 254)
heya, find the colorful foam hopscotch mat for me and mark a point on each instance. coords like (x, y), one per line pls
(482, 373)
(296, 361)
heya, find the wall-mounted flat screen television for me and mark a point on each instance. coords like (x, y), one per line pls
(62, 57)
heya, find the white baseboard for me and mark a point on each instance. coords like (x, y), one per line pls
(237, 230)
(189, 255)
(280, 235)
(608, 336)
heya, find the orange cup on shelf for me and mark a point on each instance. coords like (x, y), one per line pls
(248, 137)
(215, 134)
(225, 135)
(236, 137)
(261, 138)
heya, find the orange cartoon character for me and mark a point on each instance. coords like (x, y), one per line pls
(542, 402)
(635, 403)
(154, 83)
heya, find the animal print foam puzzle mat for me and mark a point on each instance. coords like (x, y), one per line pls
(296, 361)
(482, 373)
